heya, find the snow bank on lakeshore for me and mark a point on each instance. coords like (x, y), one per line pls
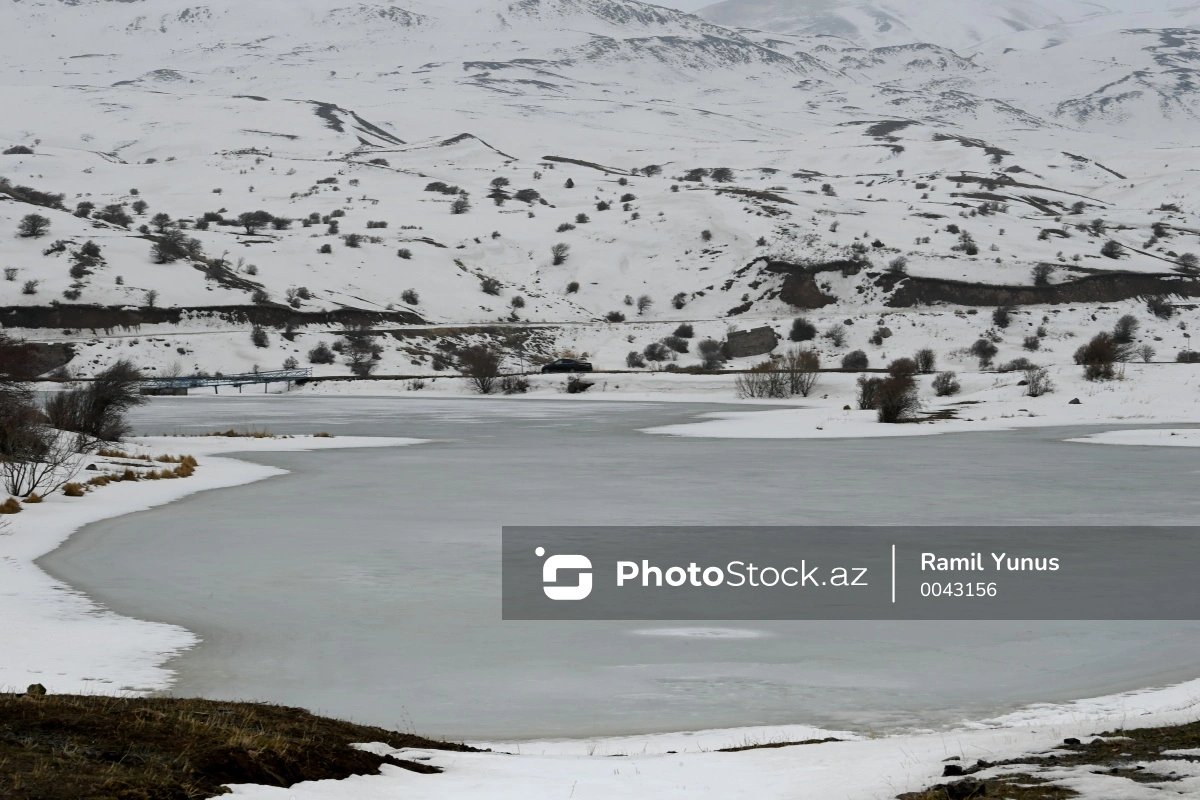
(688, 765)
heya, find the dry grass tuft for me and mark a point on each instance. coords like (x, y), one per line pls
(10, 506)
(105, 748)
(32, 498)
(76, 489)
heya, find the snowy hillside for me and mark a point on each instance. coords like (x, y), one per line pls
(949, 23)
(732, 178)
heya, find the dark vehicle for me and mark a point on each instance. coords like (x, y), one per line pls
(568, 365)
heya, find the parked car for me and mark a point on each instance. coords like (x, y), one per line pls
(568, 365)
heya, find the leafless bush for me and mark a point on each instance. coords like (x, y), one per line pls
(321, 354)
(56, 463)
(360, 350)
(480, 364)
(514, 384)
(803, 368)
(762, 381)
(836, 335)
(1125, 329)
(97, 409)
(657, 351)
(710, 353)
(802, 330)
(577, 385)
(926, 361)
(897, 399)
(559, 253)
(1098, 356)
(902, 368)
(1037, 381)
(1146, 352)
(1160, 307)
(856, 360)
(985, 351)
(868, 392)
(946, 384)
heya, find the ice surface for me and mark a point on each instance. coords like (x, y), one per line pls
(366, 584)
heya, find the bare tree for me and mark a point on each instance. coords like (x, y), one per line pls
(97, 410)
(802, 367)
(926, 361)
(33, 226)
(560, 252)
(480, 365)
(360, 350)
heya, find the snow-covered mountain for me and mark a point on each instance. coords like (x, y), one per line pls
(677, 158)
(949, 23)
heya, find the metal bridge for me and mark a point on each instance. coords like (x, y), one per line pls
(181, 384)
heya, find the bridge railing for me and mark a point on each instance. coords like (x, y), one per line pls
(193, 381)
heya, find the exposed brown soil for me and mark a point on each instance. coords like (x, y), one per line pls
(103, 748)
(1108, 287)
(108, 319)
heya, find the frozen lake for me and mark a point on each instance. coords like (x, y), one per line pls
(366, 583)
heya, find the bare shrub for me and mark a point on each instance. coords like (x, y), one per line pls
(926, 361)
(360, 350)
(856, 360)
(1037, 381)
(1098, 356)
(946, 384)
(868, 392)
(657, 351)
(902, 368)
(710, 353)
(1160, 307)
(321, 354)
(803, 368)
(514, 384)
(1126, 329)
(480, 365)
(762, 381)
(97, 409)
(1032, 343)
(985, 351)
(836, 335)
(1146, 352)
(676, 343)
(577, 385)
(635, 360)
(897, 399)
(802, 330)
